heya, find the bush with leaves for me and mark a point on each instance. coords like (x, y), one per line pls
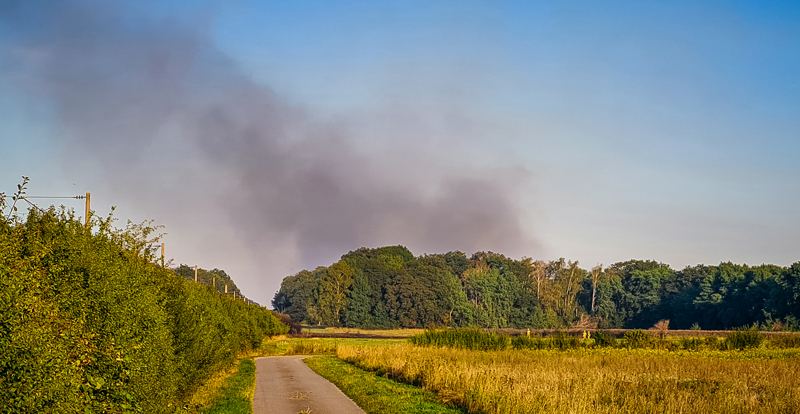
(638, 338)
(743, 339)
(91, 324)
(604, 340)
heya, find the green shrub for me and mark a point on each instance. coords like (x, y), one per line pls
(473, 339)
(91, 324)
(604, 340)
(564, 341)
(692, 344)
(783, 342)
(743, 339)
(638, 338)
(712, 342)
(524, 342)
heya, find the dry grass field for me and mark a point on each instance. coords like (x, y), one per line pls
(593, 380)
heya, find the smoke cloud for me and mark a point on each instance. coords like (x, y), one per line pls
(176, 129)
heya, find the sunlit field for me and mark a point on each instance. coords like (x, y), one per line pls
(607, 380)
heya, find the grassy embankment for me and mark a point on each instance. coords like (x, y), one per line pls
(229, 391)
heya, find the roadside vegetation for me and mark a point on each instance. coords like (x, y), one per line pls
(235, 396)
(91, 322)
(376, 394)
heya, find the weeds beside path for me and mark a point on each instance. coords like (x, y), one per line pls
(374, 394)
(236, 394)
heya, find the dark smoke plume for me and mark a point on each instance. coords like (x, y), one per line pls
(171, 122)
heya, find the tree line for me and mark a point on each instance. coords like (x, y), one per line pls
(389, 287)
(90, 323)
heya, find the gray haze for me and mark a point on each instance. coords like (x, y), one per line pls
(243, 179)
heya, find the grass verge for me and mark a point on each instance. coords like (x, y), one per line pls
(376, 394)
(236, 394)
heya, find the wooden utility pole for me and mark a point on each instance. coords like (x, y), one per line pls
(162, 254)
(214, 282)
(88, 208)
(195, 273)
(226, 289)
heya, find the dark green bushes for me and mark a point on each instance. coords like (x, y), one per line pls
(88, 323)
(638, 338)
(783, 342)
(603, 340)
(525, 342)
(462, 339)
(743, 339)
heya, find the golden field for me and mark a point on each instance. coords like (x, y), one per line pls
(593, 380)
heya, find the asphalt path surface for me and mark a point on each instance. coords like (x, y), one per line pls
(285, 385)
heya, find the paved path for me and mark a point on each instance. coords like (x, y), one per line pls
(285, 385)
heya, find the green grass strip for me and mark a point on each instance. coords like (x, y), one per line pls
(374, 394)
(236, 395)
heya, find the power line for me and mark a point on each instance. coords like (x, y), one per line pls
(78, 197)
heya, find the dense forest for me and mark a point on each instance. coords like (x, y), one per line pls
(390, 287)
(89, 322)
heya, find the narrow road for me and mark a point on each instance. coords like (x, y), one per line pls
(285, 385)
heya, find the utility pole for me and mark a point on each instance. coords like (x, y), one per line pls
(214, 282)
(195, 273)
(162, 254)
(226, 289)
(88, 208)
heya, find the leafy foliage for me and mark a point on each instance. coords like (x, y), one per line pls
(91, 324)
(472, 339)
(743, 339)
(638, 338)
(392, 288)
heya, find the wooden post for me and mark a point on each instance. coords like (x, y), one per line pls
(162, 254)
(195, 273)
(88, 208)
(214, 282)
(226, 289)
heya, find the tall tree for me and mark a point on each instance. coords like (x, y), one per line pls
(332, 292)
(597, 271)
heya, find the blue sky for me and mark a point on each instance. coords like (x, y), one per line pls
(274, 136)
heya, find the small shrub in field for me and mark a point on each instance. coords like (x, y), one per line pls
(294, 327)
(524, 342)
(743, 339)
(472, 339)
(784, 342)
(603, 340)
(692, 344)
(664, 345)
(638, 339)
(563, 341)
(712, 342)
(695, 326)
(660, 328)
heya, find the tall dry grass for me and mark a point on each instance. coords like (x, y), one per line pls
(582, 381)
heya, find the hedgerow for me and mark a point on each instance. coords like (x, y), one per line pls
(90, 323)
